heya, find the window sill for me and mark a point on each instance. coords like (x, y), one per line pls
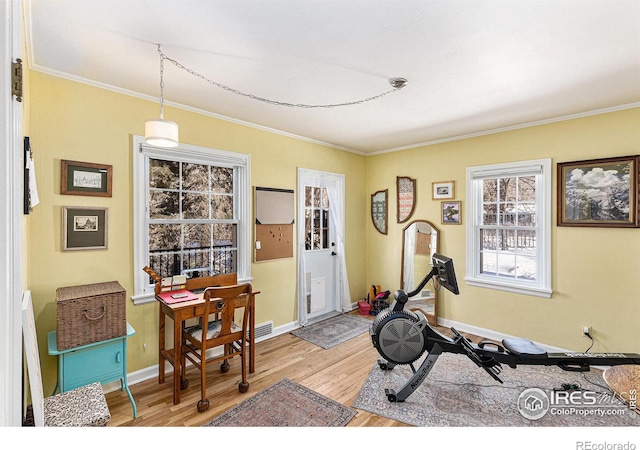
(143, 299)
(516, 289)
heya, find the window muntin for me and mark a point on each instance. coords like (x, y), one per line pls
(508, 235)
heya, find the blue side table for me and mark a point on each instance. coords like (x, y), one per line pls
(103, 361)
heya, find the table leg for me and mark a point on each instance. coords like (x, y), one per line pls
(161, 344)
(177, 357)
(133, 403)
(252, 335)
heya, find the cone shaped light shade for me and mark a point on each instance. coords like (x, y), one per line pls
(161, 133)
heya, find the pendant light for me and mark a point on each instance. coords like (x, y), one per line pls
(161, 132)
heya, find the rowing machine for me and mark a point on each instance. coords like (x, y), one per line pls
(402, 336)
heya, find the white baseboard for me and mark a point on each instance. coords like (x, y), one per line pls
(496, 336)
(491, 334)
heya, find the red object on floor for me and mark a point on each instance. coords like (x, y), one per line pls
(364, 308)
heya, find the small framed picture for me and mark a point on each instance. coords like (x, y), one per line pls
(83, 178)
(443, 189)
(451, 213)
(84, 228)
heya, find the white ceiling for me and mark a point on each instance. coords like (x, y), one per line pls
(472, 66)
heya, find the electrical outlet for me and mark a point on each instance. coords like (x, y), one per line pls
(586, 330)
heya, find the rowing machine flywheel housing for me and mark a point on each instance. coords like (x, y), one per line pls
(398, 335)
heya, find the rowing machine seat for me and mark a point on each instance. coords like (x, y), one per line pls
(524, 347)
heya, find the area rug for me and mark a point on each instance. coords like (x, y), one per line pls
(336, 330)
(285, 404)
(458, 393)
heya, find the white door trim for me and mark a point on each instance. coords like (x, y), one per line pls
(11, 226)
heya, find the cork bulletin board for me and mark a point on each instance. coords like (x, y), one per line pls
(274, 217)
(423, 243)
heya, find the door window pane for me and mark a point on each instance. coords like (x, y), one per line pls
(316, 218)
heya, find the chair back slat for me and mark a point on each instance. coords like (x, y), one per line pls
(224, 301)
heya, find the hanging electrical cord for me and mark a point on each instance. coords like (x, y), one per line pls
(396, 83)
(592, 342)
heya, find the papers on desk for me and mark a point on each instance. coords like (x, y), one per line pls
(177, 296)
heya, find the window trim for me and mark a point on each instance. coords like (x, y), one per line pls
(542, 167)
(142, 292)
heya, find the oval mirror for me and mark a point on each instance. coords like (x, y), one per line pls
(419, 243)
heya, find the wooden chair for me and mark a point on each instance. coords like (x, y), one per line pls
(85, 406)
(222, 303)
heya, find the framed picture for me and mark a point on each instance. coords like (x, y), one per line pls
(451, 213)
(443, 189)
(379, 202)
(598, 193)
(84, 228)
(406, 197)
(82, 178)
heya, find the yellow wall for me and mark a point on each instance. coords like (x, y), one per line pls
(69, 120)
(584, 292)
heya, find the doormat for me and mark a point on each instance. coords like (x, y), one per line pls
(336, 330)
(285, 404)
(457, 393)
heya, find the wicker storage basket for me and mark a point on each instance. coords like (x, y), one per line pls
(90, 313)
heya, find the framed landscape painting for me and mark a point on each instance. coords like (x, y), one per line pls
(598, 193)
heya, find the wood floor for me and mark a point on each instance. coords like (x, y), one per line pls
(337, 373)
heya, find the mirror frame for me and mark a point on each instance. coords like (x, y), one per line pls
(433, 318)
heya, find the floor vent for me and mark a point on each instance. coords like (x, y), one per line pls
(264, 329)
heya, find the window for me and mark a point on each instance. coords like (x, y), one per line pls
(509, 227)
(191, 213)
(316, 218)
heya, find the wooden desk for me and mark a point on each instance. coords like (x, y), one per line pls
(179, 312)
